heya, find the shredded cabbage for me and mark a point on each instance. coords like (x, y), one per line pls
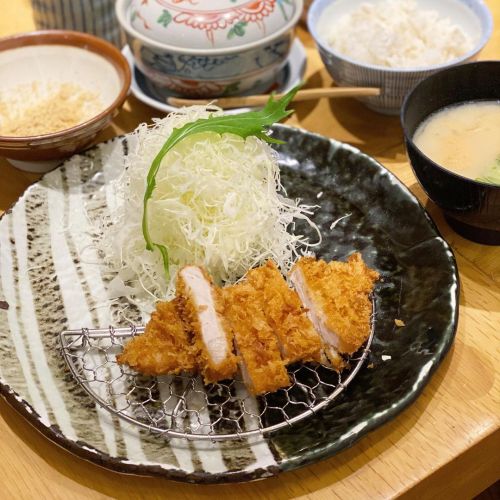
(218, 203)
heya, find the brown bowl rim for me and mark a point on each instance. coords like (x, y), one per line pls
(84, 41)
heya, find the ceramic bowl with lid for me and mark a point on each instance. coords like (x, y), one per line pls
(206, 51)
(471, 207)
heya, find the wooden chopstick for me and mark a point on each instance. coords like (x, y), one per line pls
(260, 100)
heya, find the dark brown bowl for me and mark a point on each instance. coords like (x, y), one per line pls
(472, 208)
(64, 143)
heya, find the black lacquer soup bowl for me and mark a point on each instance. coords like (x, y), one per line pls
(472, 208)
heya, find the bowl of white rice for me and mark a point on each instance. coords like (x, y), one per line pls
(393, 44)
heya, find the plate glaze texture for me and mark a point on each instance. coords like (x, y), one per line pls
(51, 280)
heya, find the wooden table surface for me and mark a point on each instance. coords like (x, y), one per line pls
(445, 445)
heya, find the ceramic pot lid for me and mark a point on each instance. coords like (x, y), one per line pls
(212, 24)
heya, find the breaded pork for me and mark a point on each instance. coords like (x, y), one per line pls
(337, 298)
(164, 348)
(285, 314)
(201, 309)
(261, 363)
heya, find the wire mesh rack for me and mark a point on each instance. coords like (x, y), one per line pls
(182, 406)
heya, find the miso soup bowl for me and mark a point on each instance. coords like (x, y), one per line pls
(472, 208)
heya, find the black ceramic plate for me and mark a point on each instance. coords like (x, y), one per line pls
(49, 281)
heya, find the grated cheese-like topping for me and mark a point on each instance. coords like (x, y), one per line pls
(398, 34)
(38, 108)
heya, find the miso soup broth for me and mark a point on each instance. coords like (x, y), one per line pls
(465, 139)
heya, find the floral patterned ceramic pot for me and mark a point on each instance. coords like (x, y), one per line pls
(207, 49)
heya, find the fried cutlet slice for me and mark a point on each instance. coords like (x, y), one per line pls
(165, 346)
(201, 309)
(298, 339)
(261, 363)
(337, 297)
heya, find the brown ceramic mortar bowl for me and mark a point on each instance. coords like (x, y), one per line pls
(61, 56)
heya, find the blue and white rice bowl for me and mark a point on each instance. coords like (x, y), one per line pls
(473, 16)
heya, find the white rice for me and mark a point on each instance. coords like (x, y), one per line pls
(398, 34)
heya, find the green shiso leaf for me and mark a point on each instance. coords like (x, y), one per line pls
(246, 124)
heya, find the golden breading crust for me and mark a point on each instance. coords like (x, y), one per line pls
(340, 293)
(164, 348)
(189, 311)
(331, 357)
(257, 345)
(285, 314)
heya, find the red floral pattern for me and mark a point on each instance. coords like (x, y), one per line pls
(256, 11)
(210, 21)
